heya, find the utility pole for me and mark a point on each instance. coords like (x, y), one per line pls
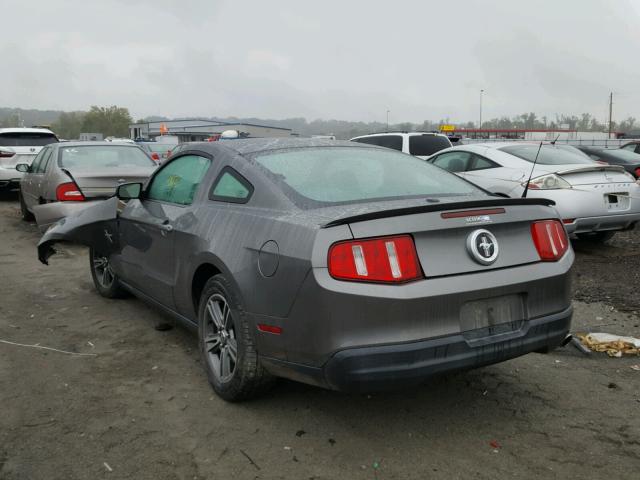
(480, 122)
(388, 120)
(610, 112)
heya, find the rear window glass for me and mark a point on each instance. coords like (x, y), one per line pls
(424, 145)
(389, 141)
(347, 175)
(20, 139)
(549, 154)
(103, 156)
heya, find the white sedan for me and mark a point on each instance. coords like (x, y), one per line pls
(594, 200)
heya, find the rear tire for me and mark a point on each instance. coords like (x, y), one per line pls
(227, 346)
(596, 237)
(26, 215)
(104, 279)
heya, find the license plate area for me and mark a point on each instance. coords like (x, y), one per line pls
(492, 316)
(617, 201)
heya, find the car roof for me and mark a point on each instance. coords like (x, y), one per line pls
(25, 130)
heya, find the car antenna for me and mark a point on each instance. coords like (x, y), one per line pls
(535, 160)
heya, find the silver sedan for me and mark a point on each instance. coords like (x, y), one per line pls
(68, 177)
(594, 200)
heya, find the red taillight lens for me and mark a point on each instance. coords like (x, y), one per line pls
(384, 260)
(155, 156)
(550, 239)
(637, 172)
(5, 154)
(69, 192)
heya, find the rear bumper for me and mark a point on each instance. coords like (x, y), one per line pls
(605, 222)
(394, 366)
(366, 369)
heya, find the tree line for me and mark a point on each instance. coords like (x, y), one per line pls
(114, 121)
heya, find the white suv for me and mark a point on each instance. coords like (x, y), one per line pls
(418, 144)
(20, 145)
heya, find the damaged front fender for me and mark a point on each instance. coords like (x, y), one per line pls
(94, 226)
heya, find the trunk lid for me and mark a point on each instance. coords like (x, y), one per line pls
(102, 183)
(441, 232)
(600, 174)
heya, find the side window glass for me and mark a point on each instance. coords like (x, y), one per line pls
(481, 163)
(43, 161)
(44, 165)
(231, 187)
(631, 147)
(454, 162)
(178, 181)
(38, 159)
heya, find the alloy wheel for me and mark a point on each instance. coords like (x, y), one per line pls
(220, 343)
(104, 273)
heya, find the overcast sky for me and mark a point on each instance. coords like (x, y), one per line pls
(349, 60)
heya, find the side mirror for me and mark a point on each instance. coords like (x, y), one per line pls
(129, 191)
(22, 167)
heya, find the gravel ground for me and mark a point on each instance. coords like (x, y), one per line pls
(140, 407)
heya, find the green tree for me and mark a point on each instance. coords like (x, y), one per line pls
(69, 125)
(110, 121)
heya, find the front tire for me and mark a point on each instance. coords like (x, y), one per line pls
(26, 215)
(596, 237)
(227, 346)
(104, 278)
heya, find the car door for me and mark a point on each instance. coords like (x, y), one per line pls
(454, 162)
(33, 179)
(148, 227)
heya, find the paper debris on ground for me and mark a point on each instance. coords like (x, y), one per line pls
(613, 345)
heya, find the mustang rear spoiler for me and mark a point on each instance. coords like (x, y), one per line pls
(439, 207)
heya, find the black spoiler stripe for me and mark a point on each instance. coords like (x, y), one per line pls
(439, 207)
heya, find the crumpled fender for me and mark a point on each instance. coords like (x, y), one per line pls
(93, 226)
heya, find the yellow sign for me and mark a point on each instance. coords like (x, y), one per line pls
(447, 128)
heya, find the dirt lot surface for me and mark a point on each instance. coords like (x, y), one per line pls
(140, 407)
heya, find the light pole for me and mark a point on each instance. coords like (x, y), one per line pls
(388, 120)
(480, 122)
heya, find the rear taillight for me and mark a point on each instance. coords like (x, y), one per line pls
(383, 260)
(637, 172)
(5, 154)
(550, 239)
(69, 192)
(155, 156)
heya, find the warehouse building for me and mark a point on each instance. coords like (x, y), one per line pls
(195, 129)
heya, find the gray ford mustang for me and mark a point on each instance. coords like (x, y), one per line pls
(337, 264)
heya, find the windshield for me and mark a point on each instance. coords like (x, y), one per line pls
(25, 139)
(103, 156)
(549, 154)
(347, 175)
(622, 156)
(425, 145)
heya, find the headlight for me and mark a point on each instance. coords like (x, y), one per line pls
(548, 182)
